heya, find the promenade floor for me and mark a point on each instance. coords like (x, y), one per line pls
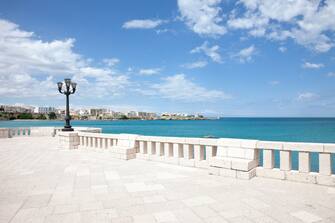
(41, 183)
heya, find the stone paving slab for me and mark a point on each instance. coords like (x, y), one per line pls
(41, 183)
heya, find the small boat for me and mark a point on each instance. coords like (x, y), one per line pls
(210, 137)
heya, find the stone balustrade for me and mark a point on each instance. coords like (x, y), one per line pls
(194, 152)
(39, 131)
(324, 151)
(238, 158)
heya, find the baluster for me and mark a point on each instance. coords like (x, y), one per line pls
(151, 148)
(268, 159)
(199, 152)
(110, 144)
(285, 160)
(210, 152)
(96, 142)
(143, 147)
(199, 156)
(159, 149)
(304, 162)
(177, 150)
(325, 164)
(99, 143)
(168, 150)
(188, 151)
(104, 143)
(85, 141)
(114, 142)
(91, 141)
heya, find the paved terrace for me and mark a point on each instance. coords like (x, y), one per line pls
(42, 183)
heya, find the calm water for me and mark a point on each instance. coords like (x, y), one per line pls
(282, 129)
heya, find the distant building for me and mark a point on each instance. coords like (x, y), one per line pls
(45, 110)
(83, 112)
(132, 114)
(16, 109)
(97, 111)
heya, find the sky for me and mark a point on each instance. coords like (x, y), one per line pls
(259, 58)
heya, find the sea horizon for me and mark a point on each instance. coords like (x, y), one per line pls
(300, 129)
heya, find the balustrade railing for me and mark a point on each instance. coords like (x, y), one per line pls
(195, 152)
(39, 131)
(303, 162)
(93, 140)
(283, 152)
(228, 157)
(19, 132)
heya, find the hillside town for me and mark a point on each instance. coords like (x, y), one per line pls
(12, 112)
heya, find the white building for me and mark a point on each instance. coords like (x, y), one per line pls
(45, 110)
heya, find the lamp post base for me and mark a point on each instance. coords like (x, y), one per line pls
(67, 129)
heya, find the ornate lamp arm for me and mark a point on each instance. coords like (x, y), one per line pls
(60, 86)
(74, 86)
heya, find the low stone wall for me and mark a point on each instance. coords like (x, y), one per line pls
(238, 158)
(40, 131)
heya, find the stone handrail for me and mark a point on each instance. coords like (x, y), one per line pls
(239, 158)
(304, 172)
(39, 131)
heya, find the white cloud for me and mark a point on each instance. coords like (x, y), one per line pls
(150, 71)
(196, 64)
(307, 96)
(111, 61)
(29, 65)
(142, 24)
(179, 88)
(202, 16)
(245, 55)
(331, 74)
(273, 83)
(309, 23)
(312, 65)
(282, 49)
(211, 52)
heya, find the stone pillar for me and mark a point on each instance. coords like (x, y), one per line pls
(285, 160)
(177, 150)
(325, 164)
(68, 140)
(151, 147)
(188, 153)
(143, 153)
(167, 149)
(209, 152)
(268, 159)
(4, 133)
(304, 162)
(199, 156)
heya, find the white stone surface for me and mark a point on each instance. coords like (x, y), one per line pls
(306, 217)
(43, 183)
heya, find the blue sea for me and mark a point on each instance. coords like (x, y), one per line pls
(281, 129)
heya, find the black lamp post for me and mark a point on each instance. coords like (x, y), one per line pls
(70, 88)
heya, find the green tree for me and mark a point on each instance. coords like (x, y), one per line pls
(123, 117)
(25, 116)
(41, 116)
(52, 115)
